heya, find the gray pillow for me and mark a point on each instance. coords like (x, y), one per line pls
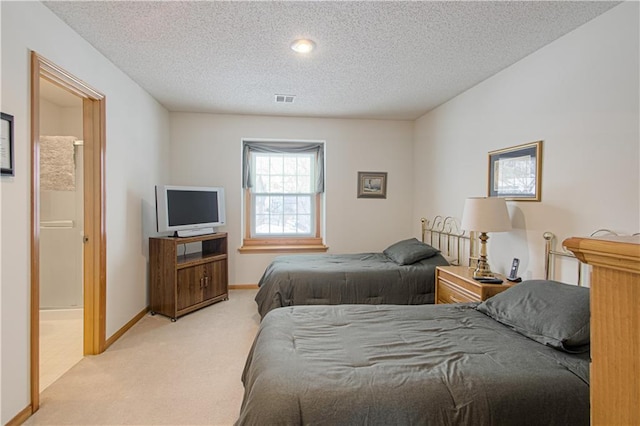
(409, 251)
(549, 312)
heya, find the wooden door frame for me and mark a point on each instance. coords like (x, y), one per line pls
(95, 242)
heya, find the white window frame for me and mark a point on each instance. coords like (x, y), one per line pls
(309, 195)
(312, 242)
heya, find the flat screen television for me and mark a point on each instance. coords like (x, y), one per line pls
(189, 210)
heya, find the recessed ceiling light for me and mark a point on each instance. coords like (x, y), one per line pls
(303, 45)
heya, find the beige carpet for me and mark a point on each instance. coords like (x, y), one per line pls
(161, 373)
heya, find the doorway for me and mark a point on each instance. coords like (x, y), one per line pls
(88, 159)
(61, 232)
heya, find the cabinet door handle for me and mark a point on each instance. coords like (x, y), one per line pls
(206, 282)
(201, 281)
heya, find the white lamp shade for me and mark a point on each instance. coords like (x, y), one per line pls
(485, 215)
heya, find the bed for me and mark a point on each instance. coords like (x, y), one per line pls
(402, 274)
(417, 364)
(518, 358)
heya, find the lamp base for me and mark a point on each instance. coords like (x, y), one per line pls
(480, 273)
(482, 269)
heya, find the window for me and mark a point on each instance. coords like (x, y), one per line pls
(282, 199)
(283, 184)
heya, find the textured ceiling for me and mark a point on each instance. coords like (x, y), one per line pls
(392, 60)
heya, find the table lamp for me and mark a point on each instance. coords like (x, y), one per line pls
(485, 215)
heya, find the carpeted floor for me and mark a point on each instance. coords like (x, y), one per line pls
(161, 373)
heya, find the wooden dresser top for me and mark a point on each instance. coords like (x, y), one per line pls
(617, 252)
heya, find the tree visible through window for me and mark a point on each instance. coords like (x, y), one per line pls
(284, 183)
(283, 199)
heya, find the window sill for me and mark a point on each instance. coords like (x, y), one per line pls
(283, 246)
(283, 249)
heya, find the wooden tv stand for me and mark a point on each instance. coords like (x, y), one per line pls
(181, 283)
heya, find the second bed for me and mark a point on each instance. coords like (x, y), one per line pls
(402, 274)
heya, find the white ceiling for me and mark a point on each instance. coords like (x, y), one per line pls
(385, 60)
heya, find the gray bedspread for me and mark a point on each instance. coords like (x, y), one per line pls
(333, 279)
(406, 365)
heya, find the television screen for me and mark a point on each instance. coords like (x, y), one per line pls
(189, 210)
(191, 207)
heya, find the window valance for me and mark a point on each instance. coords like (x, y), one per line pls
(316, 148)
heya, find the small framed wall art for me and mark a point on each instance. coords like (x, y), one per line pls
(515, 173)
(6, 144)
(372, 184)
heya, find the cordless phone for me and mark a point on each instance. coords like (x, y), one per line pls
(513, 275)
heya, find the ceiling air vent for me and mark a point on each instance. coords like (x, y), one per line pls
(286, 99)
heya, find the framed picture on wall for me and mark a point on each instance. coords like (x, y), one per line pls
(372, 184)
(515, 173)
(6, 144)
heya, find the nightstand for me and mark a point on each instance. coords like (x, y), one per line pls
(455, 284)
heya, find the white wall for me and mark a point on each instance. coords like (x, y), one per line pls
(206, 150)
(136, 157)
(59, 120)
(580, 96)
(61, 248)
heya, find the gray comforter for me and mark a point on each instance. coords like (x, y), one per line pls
(333, 279)
(406, 365)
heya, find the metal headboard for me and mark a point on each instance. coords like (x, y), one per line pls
(550, 254)
(446, 236)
